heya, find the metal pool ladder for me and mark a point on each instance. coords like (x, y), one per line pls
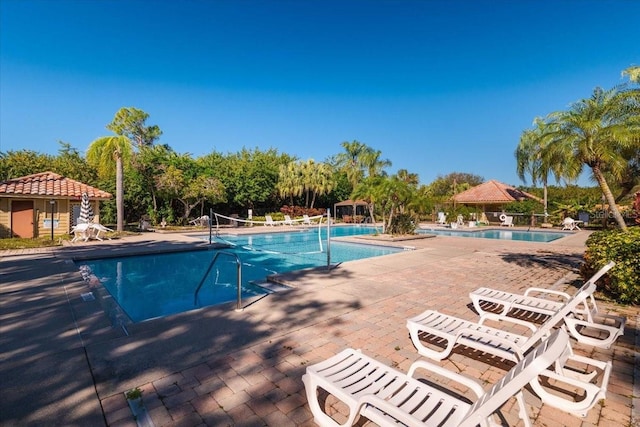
(239, 276)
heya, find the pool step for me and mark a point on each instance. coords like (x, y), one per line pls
(272, 287)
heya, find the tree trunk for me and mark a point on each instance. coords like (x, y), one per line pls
(373, 219)
(119, 194)
(609, 197)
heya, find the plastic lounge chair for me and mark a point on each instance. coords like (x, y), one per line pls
(81, 232)
(441, 328)
(585, 318)
(96, 229)
(287, 220)
(269, 221)
(389, 397)
(507, 221)
(306, 220)
(570, 224)
(442, 218)
(202, 221)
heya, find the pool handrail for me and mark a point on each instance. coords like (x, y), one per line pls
(239, 276)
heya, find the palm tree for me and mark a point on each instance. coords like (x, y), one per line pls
(633, 73)
(322, 181)
(289, 181)
(107, 153)
(373, 164)
(530, 156)
(597, 132)
(351, 160)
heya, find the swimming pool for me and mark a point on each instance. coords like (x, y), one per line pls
(501, 234)
(151, 286)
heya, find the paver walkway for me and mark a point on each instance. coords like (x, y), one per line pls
(63, 363)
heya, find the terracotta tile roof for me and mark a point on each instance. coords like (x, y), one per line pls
(49, 184)
(493, 192)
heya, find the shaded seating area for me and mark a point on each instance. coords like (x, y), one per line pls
(351, 211)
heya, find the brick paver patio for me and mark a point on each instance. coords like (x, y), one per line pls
(219, 367)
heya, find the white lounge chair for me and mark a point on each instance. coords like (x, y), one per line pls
(390, 398)
(584, 319)
(81, 232)
(287, 220)
(88, 230)
(202, 221)
(570, 224)
(507, 221)
(306, 220)
(269, 221)
(96, 229)
(442, 218)
(570, 369)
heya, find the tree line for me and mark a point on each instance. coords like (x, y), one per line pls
(150, 179)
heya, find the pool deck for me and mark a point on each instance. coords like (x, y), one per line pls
(63, 362)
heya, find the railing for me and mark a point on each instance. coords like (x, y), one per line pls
(239, 269)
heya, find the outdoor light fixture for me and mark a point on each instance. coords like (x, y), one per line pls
(53, 204)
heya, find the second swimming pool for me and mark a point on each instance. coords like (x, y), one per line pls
(151, 286)
(522, 235)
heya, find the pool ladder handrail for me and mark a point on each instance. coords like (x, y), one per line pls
(239, 276)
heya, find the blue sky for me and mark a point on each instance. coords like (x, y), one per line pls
(438, 86)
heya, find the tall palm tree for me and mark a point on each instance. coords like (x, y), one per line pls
(290, 181)
(351, 160)
(596, 132)
(408, 177)
(106, 154)
(531, 159)
(372, 162)
(322, 181)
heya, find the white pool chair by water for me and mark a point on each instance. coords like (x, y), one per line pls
(570, 224)
(81, 232)
(442, 218)
(88, 230)
(287, 220)
(507, 221)
(202, 221)
(389, 397)
(96, 229)
(306, 220)
(537, 304)
(269, 221)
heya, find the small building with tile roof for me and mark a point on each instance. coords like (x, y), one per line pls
(492, 196)
(35, 205)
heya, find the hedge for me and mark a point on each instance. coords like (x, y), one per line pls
(623, 281)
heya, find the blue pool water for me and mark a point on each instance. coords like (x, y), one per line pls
(522, 235)
(151, 286)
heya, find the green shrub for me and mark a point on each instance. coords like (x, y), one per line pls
(623, 281)
(402, 224)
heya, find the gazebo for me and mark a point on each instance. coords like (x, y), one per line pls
(492, 196)
(345, 209)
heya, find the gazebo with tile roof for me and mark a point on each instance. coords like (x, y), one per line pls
(34, 205)
(492, 196)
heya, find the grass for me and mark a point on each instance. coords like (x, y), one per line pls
(40, 242)
(45, 242)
